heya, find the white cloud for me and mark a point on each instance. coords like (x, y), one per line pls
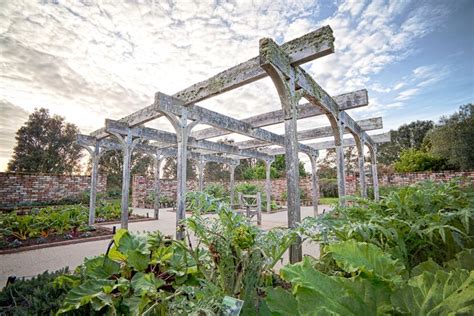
(407, 94)
(94, 60)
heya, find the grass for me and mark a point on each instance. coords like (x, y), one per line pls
(328, 200)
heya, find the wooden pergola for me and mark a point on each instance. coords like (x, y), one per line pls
(282, 64)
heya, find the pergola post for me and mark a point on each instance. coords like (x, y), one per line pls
(95, 153)
(340, 163)
(158, 160)
(232, 167)
(314, 185)
(182, 128)
(268, 184)
(128, 144)
(361, 162)
(201, 165)
(95, 157)
(289, 101)
(375, 177)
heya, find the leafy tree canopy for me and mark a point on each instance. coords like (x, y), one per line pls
(407, 136)
(453, 138)
(46, 144)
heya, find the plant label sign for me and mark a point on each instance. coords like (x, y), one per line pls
(231, 306)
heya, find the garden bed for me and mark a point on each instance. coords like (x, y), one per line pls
(55, 240)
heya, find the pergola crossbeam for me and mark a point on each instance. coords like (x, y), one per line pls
(320, 132)
(345, 101)
(175, 106)
(147, 133)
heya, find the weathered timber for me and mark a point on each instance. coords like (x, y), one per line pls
(345, 101)
(157, 166)
(348, 142)
(204, 116)
(314, 185)
(301, 50)
(375, 177)
(313, 45)
(268, 184)
(162, 136)
(289, 98)
(320, 132)
(272, 54)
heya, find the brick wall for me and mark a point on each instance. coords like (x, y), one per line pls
(142, 187)
(402, 179)
(16, 188)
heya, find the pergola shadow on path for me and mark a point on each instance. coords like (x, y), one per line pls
(282, 64)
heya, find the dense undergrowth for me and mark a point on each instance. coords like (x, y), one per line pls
(410, 254)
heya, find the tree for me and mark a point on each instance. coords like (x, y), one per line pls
(215, 171)
(252, 169)
(453, 138)
(111, 164)
(407, 136)
(327, 165)
(170, 169)
(413, 160)
(46, 144)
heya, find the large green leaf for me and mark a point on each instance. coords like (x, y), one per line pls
(137, 260)
(146, 283)
(281, 302)
(317, 293)
(91, 291)
(353, 256)
(437, 293)
(127, 242)
(464, 260)
(101, 267)
(135, 304)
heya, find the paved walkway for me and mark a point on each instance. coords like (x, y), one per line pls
(33, 262)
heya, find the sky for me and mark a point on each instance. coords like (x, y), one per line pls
(92, 60)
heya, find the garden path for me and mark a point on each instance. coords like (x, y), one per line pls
(33, 262)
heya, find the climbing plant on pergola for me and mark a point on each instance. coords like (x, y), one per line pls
(282, 64)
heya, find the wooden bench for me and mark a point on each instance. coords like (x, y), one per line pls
(250, 206)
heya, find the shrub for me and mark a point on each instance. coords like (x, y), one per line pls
(216, 190)
(36, 296)
(328, 187)
(413, 160)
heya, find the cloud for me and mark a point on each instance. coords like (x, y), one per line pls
(407, 94)
(88, 60)
(12, 118)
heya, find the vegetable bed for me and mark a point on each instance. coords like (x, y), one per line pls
(410, 254)
(55, 224)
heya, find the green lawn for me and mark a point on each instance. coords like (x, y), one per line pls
(328, 200)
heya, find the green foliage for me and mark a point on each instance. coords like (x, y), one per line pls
(55, 220)
(413, 224)
(407, 136)
(364, 280)
(170, 169)
(257, 171)
(413, 160)
(201, 202)
(111, 163)
(36, 296)
(216, 190)
(252, 189)
(46, 144)
(328, 187)
(151, 274)
(453, 138)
